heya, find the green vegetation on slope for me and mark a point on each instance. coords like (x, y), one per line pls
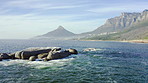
(127, 34)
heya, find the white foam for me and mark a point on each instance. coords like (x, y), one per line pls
(37, 64)
(93, 49)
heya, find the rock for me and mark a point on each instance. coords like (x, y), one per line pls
(4, 56)
(72, 51)
(0, 59)
(57, 49)
(58, 55)
(32, 58)
(18, 55)
(45, 59)
(35, 52)
(43, 55)
(12, 55)
(41, 49)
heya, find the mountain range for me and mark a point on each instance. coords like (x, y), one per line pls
(127, 26)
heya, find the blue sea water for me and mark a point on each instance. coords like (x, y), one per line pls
(114, 62)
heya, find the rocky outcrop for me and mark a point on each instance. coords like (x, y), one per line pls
(58, 54)
(43, 55)
(26, 53)
(48, 53)
(72, 51)
(12, 55)
(4, 56)
(32, 58)
(143, 16)
(122, 22)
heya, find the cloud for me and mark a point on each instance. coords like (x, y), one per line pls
(28, 18)
(121, 7)
(28, 25)
(38, 4)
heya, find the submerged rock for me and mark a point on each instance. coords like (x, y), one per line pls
(90, 49)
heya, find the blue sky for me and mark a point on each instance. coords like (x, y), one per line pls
(20, 19)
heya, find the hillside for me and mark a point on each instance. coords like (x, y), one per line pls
(128, 26)
(119, 23)
(132, 33)
(60, 32)
(134, 26)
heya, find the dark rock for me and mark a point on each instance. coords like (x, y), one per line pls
(4, 56)
(43, 55)
(58, 55)
(57, 49)
(72, 51)
(32, 58)
(45, 59)
(35, 52)
(12, 55)
(0, 59)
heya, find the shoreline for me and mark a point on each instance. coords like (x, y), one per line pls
(130, 41)
(136, 41)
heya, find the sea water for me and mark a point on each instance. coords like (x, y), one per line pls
(114, 62)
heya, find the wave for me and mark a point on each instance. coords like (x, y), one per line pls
(37, 64)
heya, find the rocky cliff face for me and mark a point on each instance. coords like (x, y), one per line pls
(128, 23)
(121, 22)
(143, 16)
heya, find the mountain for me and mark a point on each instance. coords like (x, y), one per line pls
(121, 22)
(60, 32)
(128, 26)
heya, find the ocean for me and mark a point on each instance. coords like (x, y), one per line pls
(113, 62)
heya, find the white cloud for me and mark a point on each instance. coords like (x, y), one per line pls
(28, 18)
(120, 8)
(28, 25)
(38, 4)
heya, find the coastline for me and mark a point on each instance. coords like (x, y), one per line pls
(130, 41)
(136, 41)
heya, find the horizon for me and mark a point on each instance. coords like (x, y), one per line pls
(30, 18)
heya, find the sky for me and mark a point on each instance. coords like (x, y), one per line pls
(22, 19)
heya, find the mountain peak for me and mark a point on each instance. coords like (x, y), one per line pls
(60, 27)
(60, 32)
(146, 10)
